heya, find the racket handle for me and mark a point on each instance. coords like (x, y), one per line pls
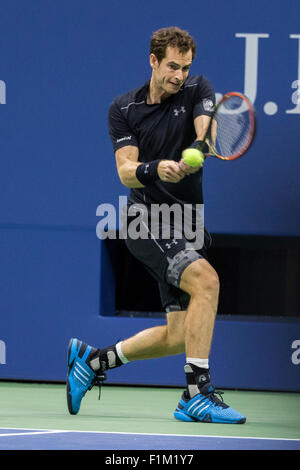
(201, 145)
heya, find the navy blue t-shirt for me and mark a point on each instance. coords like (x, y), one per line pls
(162, 131)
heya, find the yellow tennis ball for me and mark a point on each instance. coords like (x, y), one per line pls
(193, 157)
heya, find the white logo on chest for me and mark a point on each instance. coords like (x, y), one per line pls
(178, 111)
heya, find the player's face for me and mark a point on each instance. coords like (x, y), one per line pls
(170, 74)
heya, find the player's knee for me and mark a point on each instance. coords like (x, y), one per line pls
(200, 278)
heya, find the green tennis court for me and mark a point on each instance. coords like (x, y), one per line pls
(141, 411)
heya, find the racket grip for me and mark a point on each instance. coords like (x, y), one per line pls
(200, 145)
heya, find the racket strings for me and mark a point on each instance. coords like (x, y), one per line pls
(233, 125)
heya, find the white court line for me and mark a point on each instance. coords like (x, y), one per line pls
(28, 433)
(43, 431)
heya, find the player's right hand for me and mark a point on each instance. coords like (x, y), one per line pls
(169, 171)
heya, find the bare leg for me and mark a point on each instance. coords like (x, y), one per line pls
(158, 341)
(188, 331)
(201, 281)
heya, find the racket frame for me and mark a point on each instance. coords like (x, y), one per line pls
(208, 138)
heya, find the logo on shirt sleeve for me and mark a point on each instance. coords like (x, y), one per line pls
(124, 138)
(207, 104)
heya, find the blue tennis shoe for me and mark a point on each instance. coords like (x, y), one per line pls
(207, 408)
(81, 377)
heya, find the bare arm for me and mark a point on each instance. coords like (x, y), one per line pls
(127, 163)
(201, 124)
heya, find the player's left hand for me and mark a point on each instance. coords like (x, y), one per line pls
(188, 170)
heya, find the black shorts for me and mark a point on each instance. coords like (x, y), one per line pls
(165, 260)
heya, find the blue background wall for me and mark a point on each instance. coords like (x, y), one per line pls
(61, 64)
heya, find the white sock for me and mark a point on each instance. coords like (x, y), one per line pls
(203, 363)
(120, 354)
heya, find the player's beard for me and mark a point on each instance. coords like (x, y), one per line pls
(171, 86)
(164, 88)
(168, 87)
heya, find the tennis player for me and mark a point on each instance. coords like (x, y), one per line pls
(149, 128)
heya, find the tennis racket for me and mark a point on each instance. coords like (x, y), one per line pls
(232, 128)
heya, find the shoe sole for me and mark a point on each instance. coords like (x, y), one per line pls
(68, 389)
(184, 417)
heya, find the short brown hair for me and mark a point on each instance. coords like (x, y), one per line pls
(173, 37)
